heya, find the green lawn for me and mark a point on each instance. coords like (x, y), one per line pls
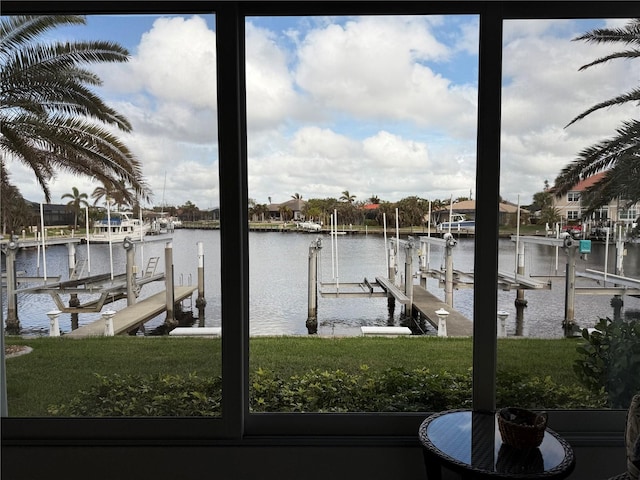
(58, 368)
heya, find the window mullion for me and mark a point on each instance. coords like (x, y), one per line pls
(488, 194)
(233, 207)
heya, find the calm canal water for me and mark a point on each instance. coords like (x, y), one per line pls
(279, 272)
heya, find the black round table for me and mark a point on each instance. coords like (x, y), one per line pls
(470, 443)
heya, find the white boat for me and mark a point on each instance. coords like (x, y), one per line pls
(457, 223)
(116, 227)
(310, 226)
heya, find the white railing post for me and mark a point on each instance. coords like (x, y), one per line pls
(54, 324)
(502, 323)
(442, 322)
(107, 316)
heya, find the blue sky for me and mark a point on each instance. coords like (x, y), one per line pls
(374, 105)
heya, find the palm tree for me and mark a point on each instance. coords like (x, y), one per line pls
(78, 200)
(619, 155)
(50, 119)
(116, 193)
(346, 197)
(296, 196)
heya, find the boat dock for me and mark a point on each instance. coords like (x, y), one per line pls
(427, 304)
(130, 318)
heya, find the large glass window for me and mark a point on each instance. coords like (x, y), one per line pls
(361, 157)
(338, 129)
(558, 280)
(97, 303)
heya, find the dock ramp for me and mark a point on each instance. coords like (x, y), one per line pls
(131, 317)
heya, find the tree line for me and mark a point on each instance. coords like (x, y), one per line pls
(412, 210)
(51, 120)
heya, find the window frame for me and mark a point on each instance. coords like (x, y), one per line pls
(237, 423)
(573, 197)
(573, 215)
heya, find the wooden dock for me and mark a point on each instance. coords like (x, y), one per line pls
(133, 316)
(426, 303)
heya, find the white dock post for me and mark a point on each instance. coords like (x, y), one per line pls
(442, 322)
(107, 316)
(54, 324)
(502, 323)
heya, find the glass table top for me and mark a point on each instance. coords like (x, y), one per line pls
(473, 439)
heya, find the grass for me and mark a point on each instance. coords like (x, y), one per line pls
(58, 368)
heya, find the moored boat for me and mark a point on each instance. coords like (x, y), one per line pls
(457, 223)
(116, 227)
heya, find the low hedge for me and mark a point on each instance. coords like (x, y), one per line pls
(390, 390)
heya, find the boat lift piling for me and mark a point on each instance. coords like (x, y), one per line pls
(520, 302)
(13, 323)
(132, 292)
(201, 302)
(170, 320)
(312, 313)
(409, 248)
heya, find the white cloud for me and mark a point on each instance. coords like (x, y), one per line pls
(382, 68)
(544, 91)
(370, 105)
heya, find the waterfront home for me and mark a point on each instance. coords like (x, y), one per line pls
(571, 206)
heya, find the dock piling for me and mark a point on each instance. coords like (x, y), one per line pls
(448, 252)
(570, 288)
(170, 320)
(127, 244)
(408, 275)
(312, 313)
(201, 302)
(13, 323)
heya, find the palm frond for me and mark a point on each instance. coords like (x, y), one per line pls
(632, 96)
(628, 54)
(50, 118)
(619, 154)
(16, 31)
(629, 34)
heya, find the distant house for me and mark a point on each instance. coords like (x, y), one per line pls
(55, 215)
(508, 213)
(295, 206)
(571, 208)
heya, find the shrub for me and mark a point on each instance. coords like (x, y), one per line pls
(610, 360)
(155, 395)
(390, 390)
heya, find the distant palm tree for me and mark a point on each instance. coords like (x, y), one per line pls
(285, 213)
(78, 200)
(619, 155)
(346, 197)
(373, 199)
(116, 193)
(296, 196)
(50, 119)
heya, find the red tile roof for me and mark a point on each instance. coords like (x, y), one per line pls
(587, 182)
